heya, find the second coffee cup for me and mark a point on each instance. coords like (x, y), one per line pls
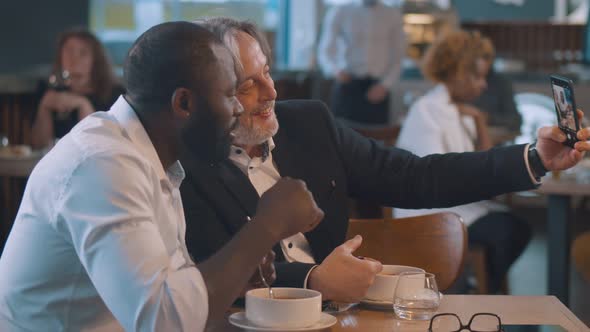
(385, 282)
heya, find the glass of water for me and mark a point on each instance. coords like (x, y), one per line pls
(416, 296)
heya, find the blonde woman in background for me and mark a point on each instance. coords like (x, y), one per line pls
(445, 121)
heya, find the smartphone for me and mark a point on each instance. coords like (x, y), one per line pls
(565, 107)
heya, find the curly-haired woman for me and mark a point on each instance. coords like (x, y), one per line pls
(444, 121)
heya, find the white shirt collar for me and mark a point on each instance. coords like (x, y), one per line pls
(134, 130)
(271, 144)
(236, 150)
(441, 92)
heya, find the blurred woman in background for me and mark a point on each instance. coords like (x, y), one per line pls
(443, 121)
(82, 82)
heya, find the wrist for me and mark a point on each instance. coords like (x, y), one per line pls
(85, 107)
(307, 277)
(535, 162)
(45, 108)
(267, 229)
(315, 282)
(480, 117)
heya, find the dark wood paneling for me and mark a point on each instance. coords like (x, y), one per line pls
(541, 45)
(16, 115)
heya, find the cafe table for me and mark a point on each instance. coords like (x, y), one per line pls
(559, 193)
(514, 310)
(13, 168)
(19, 166)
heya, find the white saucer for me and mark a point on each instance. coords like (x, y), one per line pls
(239, 319)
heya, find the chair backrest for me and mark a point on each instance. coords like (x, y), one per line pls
(436, 243)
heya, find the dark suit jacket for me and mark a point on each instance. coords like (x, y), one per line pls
(337, 163)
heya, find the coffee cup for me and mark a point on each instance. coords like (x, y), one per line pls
(385, 282)
(290, 307)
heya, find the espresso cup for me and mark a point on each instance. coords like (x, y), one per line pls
(290, 307)
(385, 282)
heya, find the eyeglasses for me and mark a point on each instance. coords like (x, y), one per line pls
(480, 322)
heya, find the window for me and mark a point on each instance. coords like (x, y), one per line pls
(119, 22)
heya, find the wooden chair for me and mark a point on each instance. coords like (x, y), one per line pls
(477, 259)
(436, 243)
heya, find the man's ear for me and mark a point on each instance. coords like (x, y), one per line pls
(182, 100)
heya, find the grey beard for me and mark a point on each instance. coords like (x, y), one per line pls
(252, 136)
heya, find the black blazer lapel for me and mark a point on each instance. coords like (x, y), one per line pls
(225, 189)
(239, 187)
(305, 150)
(285, 155)
(245, 194)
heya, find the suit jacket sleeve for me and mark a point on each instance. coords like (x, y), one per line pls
(396, 177)
(291, 274)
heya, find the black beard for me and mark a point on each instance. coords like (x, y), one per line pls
(205, 137)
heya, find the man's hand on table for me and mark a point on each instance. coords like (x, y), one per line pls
(343, 277)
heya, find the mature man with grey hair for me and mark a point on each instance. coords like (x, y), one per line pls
(300, 139)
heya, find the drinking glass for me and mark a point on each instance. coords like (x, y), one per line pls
(416, 296)
(60, 82)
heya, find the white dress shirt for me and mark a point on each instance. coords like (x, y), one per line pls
(363, 41)
(263, 174)
(434, 125)
(98, 241)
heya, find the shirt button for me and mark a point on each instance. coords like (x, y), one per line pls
(290, 245)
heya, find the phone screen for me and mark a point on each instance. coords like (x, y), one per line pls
(564, 104)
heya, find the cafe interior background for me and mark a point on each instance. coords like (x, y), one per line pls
(533, 39)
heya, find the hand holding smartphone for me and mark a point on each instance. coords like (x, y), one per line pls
(565, 107)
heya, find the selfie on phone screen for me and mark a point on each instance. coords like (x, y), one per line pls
(565, 107)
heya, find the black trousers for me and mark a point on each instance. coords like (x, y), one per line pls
(349, 101)
(504, 237)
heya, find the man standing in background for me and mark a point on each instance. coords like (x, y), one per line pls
(361, 47)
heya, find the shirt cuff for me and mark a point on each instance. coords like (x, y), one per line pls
(528, 167)
(307, 276)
